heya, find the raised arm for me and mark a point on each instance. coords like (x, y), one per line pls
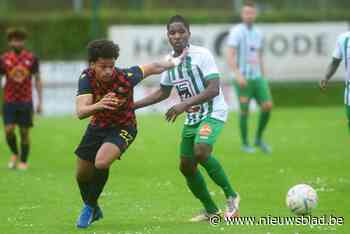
(212, 90)
(162, 93)
(162, 65)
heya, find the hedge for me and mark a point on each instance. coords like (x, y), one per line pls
(64, 35)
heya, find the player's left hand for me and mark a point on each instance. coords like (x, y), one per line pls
(323, 85)
(175, 111)
(39, 109)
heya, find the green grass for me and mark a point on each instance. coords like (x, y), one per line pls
(147, 194)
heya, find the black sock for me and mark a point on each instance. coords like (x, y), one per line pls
(97, 185)
(24, 152)
(12, 143)
(84, 189)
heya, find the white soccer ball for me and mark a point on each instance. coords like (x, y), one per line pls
(302, 199)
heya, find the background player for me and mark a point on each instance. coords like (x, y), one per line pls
(106, 94)
(341, 52)
(246, 61)
(19, 66)
(197, 82)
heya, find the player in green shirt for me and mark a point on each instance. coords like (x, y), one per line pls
(197, 83)
(245, 44)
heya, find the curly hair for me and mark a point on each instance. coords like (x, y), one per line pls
(102, 48)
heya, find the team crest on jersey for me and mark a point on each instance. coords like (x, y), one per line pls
(19, 73)
(205, 131)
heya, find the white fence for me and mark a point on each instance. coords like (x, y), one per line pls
(293, 52)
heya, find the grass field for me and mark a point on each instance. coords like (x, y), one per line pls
(147, 194)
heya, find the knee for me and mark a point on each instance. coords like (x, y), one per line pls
(187, 168)
(102, 164)
(9, 130)
(244, 105)
(267, 106)
(201, 152)
(243, 100)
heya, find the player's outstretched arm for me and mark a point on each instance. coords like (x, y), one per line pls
(162, 65)
(212, 90)
(332, 68)
(85, 106)
(161, 94)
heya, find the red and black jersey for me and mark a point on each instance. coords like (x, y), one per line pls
(18, 70)
(122, 84)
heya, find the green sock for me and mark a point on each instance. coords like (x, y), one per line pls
(263, 120)
(199, 189)
(348, 115)
(243, 126)
(217, 174)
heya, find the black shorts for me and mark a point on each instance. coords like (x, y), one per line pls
(95, 137)
(18, 113)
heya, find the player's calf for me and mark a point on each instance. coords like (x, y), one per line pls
(12, 143)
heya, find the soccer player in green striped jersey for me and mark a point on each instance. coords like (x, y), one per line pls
(244, 57)
(341, 52)
(197, 82)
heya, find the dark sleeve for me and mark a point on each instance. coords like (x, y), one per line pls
(2, 67)
(84, 86)
(134, 74)
(36, 65)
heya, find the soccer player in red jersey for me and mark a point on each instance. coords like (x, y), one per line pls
(19, 66)
(105, 93)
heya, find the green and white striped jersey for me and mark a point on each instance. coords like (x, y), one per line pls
(342, 51)
(248, 42)
(189, 78)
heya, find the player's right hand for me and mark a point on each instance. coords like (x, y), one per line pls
(108, 102)
(323, 84)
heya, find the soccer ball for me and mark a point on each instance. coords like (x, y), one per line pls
(301, 199)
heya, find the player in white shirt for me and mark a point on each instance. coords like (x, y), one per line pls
(341, 53)
(244, 57)
(197, 82)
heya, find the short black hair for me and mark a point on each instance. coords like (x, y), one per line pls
(249, 3)
(178, 19)
(16, 33)
(102, 48)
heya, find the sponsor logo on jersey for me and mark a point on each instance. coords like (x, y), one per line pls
(205, 131)
(19, 73)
